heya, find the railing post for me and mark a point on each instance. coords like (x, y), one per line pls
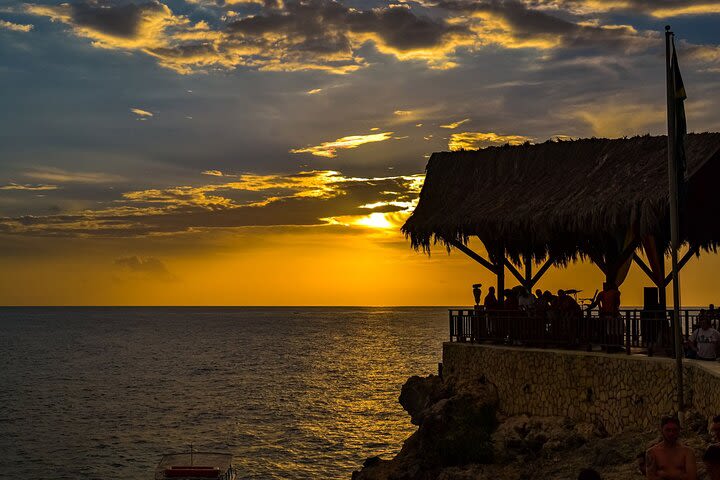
(627, 332)
(450, 323)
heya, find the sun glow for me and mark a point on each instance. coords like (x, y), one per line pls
(374, 220)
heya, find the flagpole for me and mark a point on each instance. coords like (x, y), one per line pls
(674, 216)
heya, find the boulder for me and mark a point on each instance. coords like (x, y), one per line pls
(418, 394)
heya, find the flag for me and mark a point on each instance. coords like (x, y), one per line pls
(680, 125)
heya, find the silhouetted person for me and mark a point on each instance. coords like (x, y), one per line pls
(538, 294)
(491, 306)
(526, 300)
(490, 301)
(704, 341)
(610, 322)
(715, 429)
(477, 293)
(510, 300)
(670, 459)
(569, 315)
(589, 474)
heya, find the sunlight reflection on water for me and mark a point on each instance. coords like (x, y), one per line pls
(291, 393)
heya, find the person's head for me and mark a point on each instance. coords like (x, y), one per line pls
(561, 293)
(640, 460)
(711, 307)
(670, 429)
(589, 474)
(715, 428)
(705, 322)
(538, 293)
(491, 290)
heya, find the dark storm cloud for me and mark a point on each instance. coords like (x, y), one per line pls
(325, 25)
(117, 20)
(650, 7)
(546, 28)
(295, 35)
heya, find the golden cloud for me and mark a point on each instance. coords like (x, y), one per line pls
(281, 38)
(279, 200)
(150, 30)
(621, 116)
(141, 113)
(476, 140)
(327, 36)
(213, 173)
(454, 125)
(63, 176)
(15, 27)
(329, 149)
(698, 9)
(38, 187)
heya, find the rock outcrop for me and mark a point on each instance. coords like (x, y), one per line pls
(462, 435)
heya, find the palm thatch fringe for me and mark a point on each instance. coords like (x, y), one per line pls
(566, 199)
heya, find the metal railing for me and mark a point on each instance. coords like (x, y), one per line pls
(634, 330)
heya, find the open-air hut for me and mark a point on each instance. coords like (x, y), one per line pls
(558, 201)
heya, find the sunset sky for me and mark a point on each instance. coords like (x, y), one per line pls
(265, 152)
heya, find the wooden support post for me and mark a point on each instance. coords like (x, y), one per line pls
(467, 251)
(597, 260)
(640, 263)
(528, 272)
(688, 255)
(662, 296)
(662, 293)
(548, 263)
(514, 271)
(500, 261)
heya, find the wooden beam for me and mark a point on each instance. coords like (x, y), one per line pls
(688, 255)
(514, 271)
(643, 266)
(628, 252)
(473, 255)
(527, 262)
(548, 263)
(500, 259)
(597, 260)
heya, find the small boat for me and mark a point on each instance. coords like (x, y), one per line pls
(196, 465)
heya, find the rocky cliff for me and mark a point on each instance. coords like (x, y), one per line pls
(463, 435)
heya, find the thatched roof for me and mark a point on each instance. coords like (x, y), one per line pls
(560, 197)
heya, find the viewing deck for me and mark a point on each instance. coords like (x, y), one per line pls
(634, 331)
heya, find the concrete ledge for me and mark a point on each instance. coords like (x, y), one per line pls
(618, 390)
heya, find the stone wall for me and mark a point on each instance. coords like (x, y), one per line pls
(620, 391)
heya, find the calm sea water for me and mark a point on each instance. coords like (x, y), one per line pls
(292, 393)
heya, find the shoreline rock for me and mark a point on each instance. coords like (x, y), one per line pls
(462, 435)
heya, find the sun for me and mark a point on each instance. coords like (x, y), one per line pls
(374, 220)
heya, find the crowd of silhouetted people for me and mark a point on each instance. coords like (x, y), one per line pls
(556, 317)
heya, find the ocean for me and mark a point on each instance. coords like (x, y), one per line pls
(292, 393)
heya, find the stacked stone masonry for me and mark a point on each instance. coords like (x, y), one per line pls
(616, 390)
